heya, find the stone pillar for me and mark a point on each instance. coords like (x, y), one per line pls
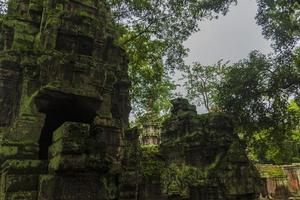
(75, 165)
(130, 163)
(150, 130)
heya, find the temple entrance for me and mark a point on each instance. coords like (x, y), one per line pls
(59, 109)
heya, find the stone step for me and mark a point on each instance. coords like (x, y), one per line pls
(16, 182)
(21, 177)
(22, 195)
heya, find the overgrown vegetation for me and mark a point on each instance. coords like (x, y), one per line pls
(260, 92)
(152, 33)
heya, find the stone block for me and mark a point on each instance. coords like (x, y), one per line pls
(8, 152)
(16, 182)
(67, 147)
(67, 163)
(17, 150)
(79, 187)
(20, 177)
(206, 146)
(24, 167)
(30, 195)
(98, 162)
(71, 131)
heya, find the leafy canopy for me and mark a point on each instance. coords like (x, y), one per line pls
(152, 32)
(280, 20)
(169, 21)
(257, 92)
(201, 82)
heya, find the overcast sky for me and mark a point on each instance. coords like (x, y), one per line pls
(230, 37)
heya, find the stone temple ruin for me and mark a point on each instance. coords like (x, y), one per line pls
(199, 158)
(64, 107)
(64, 101)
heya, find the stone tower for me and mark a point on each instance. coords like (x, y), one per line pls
(63, 101)
(205, 158)
(200, 157)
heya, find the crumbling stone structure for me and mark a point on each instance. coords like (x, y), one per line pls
(279, 181)
(63, 99)
(64, 110)
(150, 130)
(199, 158)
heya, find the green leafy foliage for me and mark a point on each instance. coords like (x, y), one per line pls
(201, 83)
(151, 85)
(152, 32)
(257, 92)
(151, 163)
(171, 22)
(280, 20)
(177, 178)
(263, 147)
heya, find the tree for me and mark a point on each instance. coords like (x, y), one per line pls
(262, 147)
(201, 83)
(171, 22)
(257, 92)
(151, 85)
(280, 20)
(152, 33)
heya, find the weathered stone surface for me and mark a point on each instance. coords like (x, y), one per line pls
(130, 163)
(64, 101)
(70, 187)
(199, 158)
(20, 195)
(280, 181)
(150, 130)
(20, 178)
(64, 110)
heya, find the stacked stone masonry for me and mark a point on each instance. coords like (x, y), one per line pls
(199, 158)
(64, 101)
(64, 113)
(280, 181)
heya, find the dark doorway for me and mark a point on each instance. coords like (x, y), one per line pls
(59, 111)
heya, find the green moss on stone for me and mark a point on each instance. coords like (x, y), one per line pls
(177, 178)
(8, 151)
(271, 171)
(151, 161)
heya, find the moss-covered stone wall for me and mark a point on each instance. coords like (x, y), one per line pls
(64, 101)
(199, 158)
(64, 111)
(280, 181)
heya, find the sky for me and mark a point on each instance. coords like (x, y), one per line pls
(230, 37)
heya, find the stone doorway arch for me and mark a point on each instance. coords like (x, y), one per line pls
(59, 108)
